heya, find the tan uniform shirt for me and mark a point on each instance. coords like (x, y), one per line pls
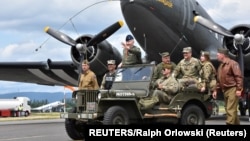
(88, 81)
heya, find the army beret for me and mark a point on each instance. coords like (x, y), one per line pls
(164, 54)
(205, 53)
(223, 51)
(111, 62)
(167, 66)
(187, 49)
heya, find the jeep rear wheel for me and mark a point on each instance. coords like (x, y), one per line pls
(116, 115)
(192, 115)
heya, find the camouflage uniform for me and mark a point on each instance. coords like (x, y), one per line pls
(188, 71)
(208, 74)
(132, 56)
(88, 81)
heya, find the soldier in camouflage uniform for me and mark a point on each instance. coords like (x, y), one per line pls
(165, 57)
(207, 73)
(131, 53)
(187, 70)
(165, 88)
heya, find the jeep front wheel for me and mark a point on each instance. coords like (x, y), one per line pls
(192, 115)
(116, 115)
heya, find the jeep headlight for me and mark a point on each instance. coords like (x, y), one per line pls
(99, 96)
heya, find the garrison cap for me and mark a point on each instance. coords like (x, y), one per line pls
(111, 62)
(187, 49)
(85, 62)
(223, 51)
(205, 53)
(167, 66)
(164, 54)
(129, 37)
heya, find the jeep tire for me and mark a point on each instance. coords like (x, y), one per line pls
(116, 115)
(192, 115)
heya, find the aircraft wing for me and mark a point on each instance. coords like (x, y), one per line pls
(59, 73)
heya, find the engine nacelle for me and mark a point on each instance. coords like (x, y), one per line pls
(97, 55)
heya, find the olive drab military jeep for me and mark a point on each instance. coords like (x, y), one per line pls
(120, 104)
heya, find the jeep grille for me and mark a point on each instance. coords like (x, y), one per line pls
(87, 100)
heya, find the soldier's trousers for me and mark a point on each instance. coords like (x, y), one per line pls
(231, 106)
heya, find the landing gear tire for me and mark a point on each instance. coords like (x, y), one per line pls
(116, 115)
(192, 115)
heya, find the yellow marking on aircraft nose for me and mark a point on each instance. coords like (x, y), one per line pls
(46, 28)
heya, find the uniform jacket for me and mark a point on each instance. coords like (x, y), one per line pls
(170, 84)
(132, 56)
(229, 75)
(208, 75)
(88, 81)
(188, 69)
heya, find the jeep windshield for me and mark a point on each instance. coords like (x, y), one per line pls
(134, 73)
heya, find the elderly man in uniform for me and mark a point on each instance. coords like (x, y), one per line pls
(109, 77)
(165, 57)
(230, 81)
(187, 70)
(131, 53)
(88, 80)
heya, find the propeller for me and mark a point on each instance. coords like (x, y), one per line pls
(238, 38)
(83, 46)
(212, 26)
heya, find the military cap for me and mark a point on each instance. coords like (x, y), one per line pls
(111, 62)
(223, 51)
(129, 37)
(167, 66)
(85, 62)
(164, 54)
(187, 49)
(205, 53)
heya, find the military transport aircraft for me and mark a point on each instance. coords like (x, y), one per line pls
(157, 25)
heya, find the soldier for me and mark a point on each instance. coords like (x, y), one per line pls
(207, 73)
(109, 77)
(165, 88)
(230, 81)
(165, 57)
(88, 79)
(187, 70)
(131, 53)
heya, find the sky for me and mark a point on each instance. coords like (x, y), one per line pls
(22, 23)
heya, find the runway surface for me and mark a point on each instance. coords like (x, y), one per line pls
(53, 129)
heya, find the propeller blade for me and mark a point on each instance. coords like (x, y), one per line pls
(247, 33)
(105, 33)
(240, 59)
(60, 36)
(212, 26)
